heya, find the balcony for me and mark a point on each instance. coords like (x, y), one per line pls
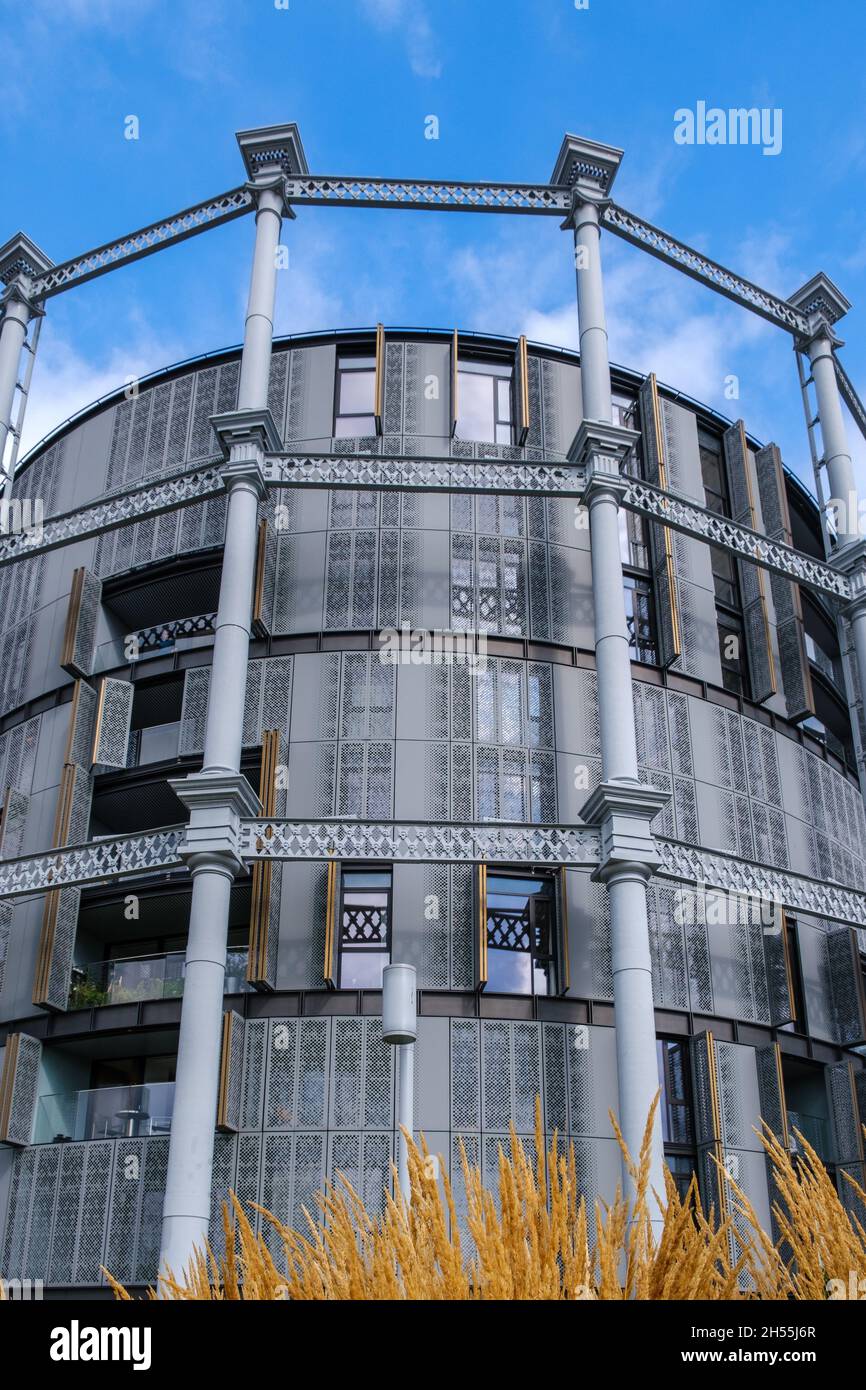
(111, 1112)
(138, 978)
(814, 1130)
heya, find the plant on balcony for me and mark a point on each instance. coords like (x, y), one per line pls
(537, 1241)
(88, 994)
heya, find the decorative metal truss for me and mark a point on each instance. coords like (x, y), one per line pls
(169, 232)
(849, 395)
(429, 474)
(115, 510)
(396, 842)
(666, 248)
(75, 865)
(339, 191)
(682, 514)
(692, 864)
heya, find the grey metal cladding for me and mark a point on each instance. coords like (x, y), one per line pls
(278, 389)
(6, 911)
(193, 717)
(13, 820)
(817, 985)
(846, 984)
(300, 582)
(111, 747)
(311, 393)
(68, 904)
(844, 1118)
(83, 635)
(25, 1088)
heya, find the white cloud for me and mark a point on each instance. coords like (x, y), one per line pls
(410, 15)
(66, 381)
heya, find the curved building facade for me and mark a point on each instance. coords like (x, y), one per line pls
(429, 657)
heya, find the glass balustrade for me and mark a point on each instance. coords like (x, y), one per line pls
(110, 1112)
(814, 1130)
(138, 978)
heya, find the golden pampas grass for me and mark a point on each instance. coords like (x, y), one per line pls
(534, 1239)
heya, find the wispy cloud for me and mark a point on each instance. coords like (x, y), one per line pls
(411, 17)
(67, 380)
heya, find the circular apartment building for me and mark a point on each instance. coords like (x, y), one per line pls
(425, 656)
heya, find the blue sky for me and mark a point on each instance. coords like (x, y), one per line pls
(506, 79)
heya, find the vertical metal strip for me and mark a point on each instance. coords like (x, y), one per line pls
(670, 567)
(454, 383)
(718, 1146)
(379, 403)
(761, 577)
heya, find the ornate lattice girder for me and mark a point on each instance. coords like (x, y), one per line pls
(682, 514)
(427, 193)
(91, 863)
(171, 230)
(692, 864)
(849, 395)
(153, 639)
(116, 509)
(716, 277)
(396, 842)
(383, 471)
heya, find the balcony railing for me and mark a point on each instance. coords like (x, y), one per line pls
(814, 1130)
(110, 1112)
(140, 978)
(829, 665)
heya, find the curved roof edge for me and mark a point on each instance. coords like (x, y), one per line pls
(627, 374)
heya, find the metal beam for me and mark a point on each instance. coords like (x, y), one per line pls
(849, 395)
(101, 860)
(345, 191)
(385, 472)
(429, 474)
(169, 232)
(716, 277)
(445, 843)
(682, 514)
(693, 864)
(398, 842)
(115, 510)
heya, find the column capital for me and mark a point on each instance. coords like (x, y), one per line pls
(599, 447)
(217, 801)
(823, 304)
(254, 431)
(587, 167)
(22, 261)
(624, 811)
(272, 154)
(850, 559)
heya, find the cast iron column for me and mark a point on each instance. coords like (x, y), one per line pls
(620, 806)
(220, 796)
(20, 262)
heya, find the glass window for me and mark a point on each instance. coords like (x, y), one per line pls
(520, 935)
(365, 928)
(639, 618)
(484, 411)
(726, 582)
(676, 1110)
(798, 997)
(355, 397)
